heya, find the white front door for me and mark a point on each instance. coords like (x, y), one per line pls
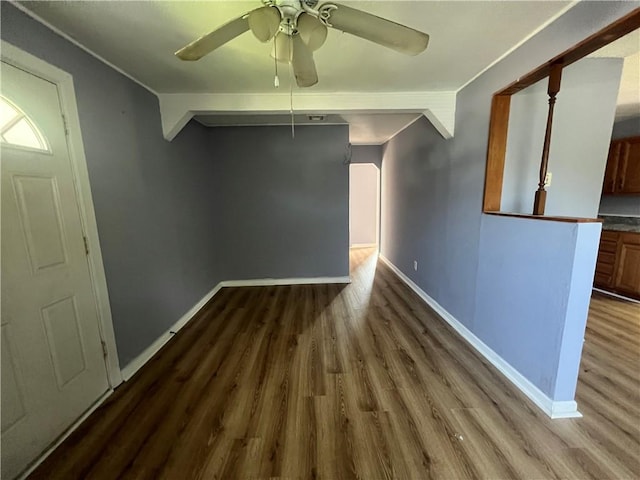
(53, 367)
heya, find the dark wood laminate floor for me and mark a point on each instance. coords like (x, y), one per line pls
(359, 381)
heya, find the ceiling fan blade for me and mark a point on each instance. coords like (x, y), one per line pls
(304, 68)
(208, 43)
(378, 30)
(282, 49)
(264, 23)
(312, 31)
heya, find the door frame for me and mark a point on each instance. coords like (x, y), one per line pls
(64, 82)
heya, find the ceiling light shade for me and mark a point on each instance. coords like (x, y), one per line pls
(264, 23)
(282, 49)
(312, 31)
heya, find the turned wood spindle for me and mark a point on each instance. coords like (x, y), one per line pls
(552, 90)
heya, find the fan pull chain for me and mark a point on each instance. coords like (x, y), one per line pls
(293, 130)
(276, 80)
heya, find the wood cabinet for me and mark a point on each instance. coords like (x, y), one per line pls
(627, 276)
(606, 262)
(618, 264)
(608, 186)
(631, 166)
(622, 174)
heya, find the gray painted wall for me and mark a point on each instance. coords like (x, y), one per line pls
(174, 219)
(156, 202)
(285, 202)
(367, 154)
(619, 205)
(540, 335)
(579, 140)
(627, 206)
(416, 211)
(432, 188)
(628, 127)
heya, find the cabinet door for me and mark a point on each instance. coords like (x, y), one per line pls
(605, 265)
(628, 269)
(629, 166)
(611, 171)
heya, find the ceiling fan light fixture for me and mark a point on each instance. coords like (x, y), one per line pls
(312, 31)
(298, 29)
(282, 49)
(264, 23)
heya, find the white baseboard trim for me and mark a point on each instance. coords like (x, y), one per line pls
(36, 463)
(554, 409)
(264, 282)
(616, 295)
(134, 365)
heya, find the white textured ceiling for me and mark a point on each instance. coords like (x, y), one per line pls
(140, 37)
(627, 47)
(629, 94)
(377, 129)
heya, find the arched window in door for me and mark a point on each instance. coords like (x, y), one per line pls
(17, 129)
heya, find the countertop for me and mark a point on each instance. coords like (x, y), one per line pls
(620, 224)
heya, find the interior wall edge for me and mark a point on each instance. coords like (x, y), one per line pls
(147, 354)
(553, 409)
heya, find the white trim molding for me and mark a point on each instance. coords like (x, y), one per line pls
(64, 83)
(176, 109)
(265, 282)
(148, 353)
(72, 40)
(38, 461)
(616, 295)
(554, 409)
(134, 365)
(541, 27)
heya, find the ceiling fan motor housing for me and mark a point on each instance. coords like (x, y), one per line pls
(290, 10)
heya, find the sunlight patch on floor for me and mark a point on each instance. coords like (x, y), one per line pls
(363, 263)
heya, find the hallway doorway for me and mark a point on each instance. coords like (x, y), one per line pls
(364, 205)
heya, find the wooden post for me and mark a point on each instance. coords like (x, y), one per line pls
(553, 88)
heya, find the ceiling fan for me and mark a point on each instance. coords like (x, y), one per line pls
(298, 28)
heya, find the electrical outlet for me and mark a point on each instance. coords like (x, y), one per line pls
(547, 179)
(415, 265)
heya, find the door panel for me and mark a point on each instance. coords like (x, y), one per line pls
(39, 209)
(611, 171)
(53, 368)
(630, 182)
(13, 408)
(628, 271)
(64, 339)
